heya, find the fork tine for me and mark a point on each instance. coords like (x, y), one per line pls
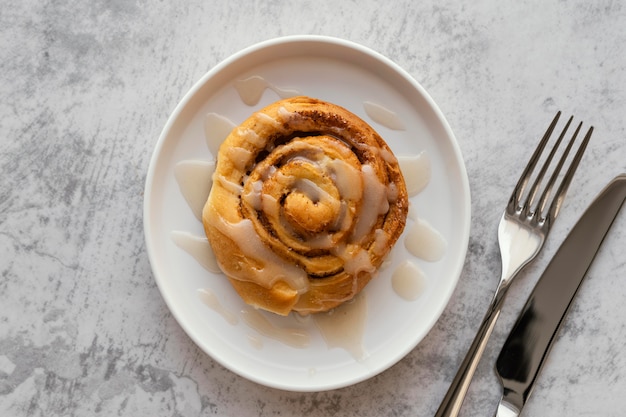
(567, 179)
(528, 210)
(548, 189)
(518, 191)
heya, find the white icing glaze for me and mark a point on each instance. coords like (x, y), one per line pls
(392, 192)
(198, 247)
(312, 191)
(412, 213)
(266, 118)
(251, 137)
(293, 337)
(216, 129)
(355, 259)
(194, 181)
(344, 326)
(321, 241)
(270, 206)
(416, 171)
(347, 179)
(273, 268)
(285, 114)
(408, 281)
(344, 219)
(381, 240)
(383, 116)
(251, 90)
(387, 155)
(240, 157)
(234, 188)
(425, 242)
(374, 203)
(253, 196)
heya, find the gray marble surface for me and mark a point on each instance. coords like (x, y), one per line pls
(87, 87)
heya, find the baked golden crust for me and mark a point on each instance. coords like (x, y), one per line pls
(307, 200)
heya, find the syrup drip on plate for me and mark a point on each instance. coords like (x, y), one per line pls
(344, 326)
(383, 116)
(194, 181)
(408, 281)
(293, 337)
(416, 172)
(251, 90)
(424, 241)
(199, 248)
(216, 128)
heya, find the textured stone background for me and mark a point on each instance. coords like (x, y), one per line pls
(86, 88)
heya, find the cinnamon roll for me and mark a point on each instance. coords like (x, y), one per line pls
(307, 200)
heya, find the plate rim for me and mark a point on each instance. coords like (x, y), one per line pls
(173, 119)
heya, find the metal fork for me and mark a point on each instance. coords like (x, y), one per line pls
(522, 232)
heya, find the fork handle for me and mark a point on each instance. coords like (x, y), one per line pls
(451, 404)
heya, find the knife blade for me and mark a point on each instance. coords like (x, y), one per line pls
(529, 343)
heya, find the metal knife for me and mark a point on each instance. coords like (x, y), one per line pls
(529, 343)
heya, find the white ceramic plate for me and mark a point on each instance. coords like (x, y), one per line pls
(349, 75)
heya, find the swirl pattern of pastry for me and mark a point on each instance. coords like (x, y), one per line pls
(307, 200)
